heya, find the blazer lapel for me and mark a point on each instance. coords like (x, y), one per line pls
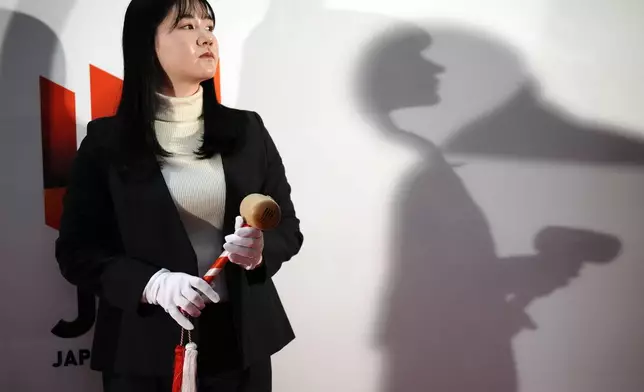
(233, 172)
(154, 223)
(237, 174)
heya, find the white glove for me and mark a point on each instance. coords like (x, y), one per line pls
(175, 291)
(245, 246)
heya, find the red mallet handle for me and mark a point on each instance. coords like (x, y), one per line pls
(218, 265)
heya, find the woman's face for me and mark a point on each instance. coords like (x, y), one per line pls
(189, 52)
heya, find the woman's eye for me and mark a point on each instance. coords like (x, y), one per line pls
(187, 27)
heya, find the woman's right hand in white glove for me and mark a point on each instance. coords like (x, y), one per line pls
(176, 292)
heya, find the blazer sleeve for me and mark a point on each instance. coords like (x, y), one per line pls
(285, 241)
(88, 249)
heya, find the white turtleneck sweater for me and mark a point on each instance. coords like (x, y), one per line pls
(197, 186)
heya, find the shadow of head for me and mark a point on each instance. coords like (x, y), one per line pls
(460, 73)
(30, 31)
(395, 74)
(15, 54)
(22, 64)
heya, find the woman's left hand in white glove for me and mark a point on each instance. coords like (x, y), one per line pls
(245, 245)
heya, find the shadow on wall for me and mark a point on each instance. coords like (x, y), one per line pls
(31, 50)
(21, 65)
(454, 305)
(27, 52)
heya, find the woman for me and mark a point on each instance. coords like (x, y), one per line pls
(154, 196)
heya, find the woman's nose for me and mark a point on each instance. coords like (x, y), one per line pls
(205, 40)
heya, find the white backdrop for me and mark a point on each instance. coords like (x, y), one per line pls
(469, 177)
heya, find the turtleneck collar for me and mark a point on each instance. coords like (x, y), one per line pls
(179, 123)
(181, 109)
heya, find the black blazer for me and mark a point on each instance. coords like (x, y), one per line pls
(119, 228)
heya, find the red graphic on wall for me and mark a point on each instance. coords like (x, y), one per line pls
(58, 127)
(105, 92)
(58, 123)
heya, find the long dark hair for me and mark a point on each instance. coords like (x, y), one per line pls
(143, 76)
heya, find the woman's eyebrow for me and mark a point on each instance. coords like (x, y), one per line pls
(191, 16)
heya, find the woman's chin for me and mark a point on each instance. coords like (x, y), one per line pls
(205, 73)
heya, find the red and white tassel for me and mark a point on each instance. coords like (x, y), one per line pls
(185, 366)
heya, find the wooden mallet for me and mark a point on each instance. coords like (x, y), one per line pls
(259, 211)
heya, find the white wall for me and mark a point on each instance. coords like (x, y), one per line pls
(476, 229)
